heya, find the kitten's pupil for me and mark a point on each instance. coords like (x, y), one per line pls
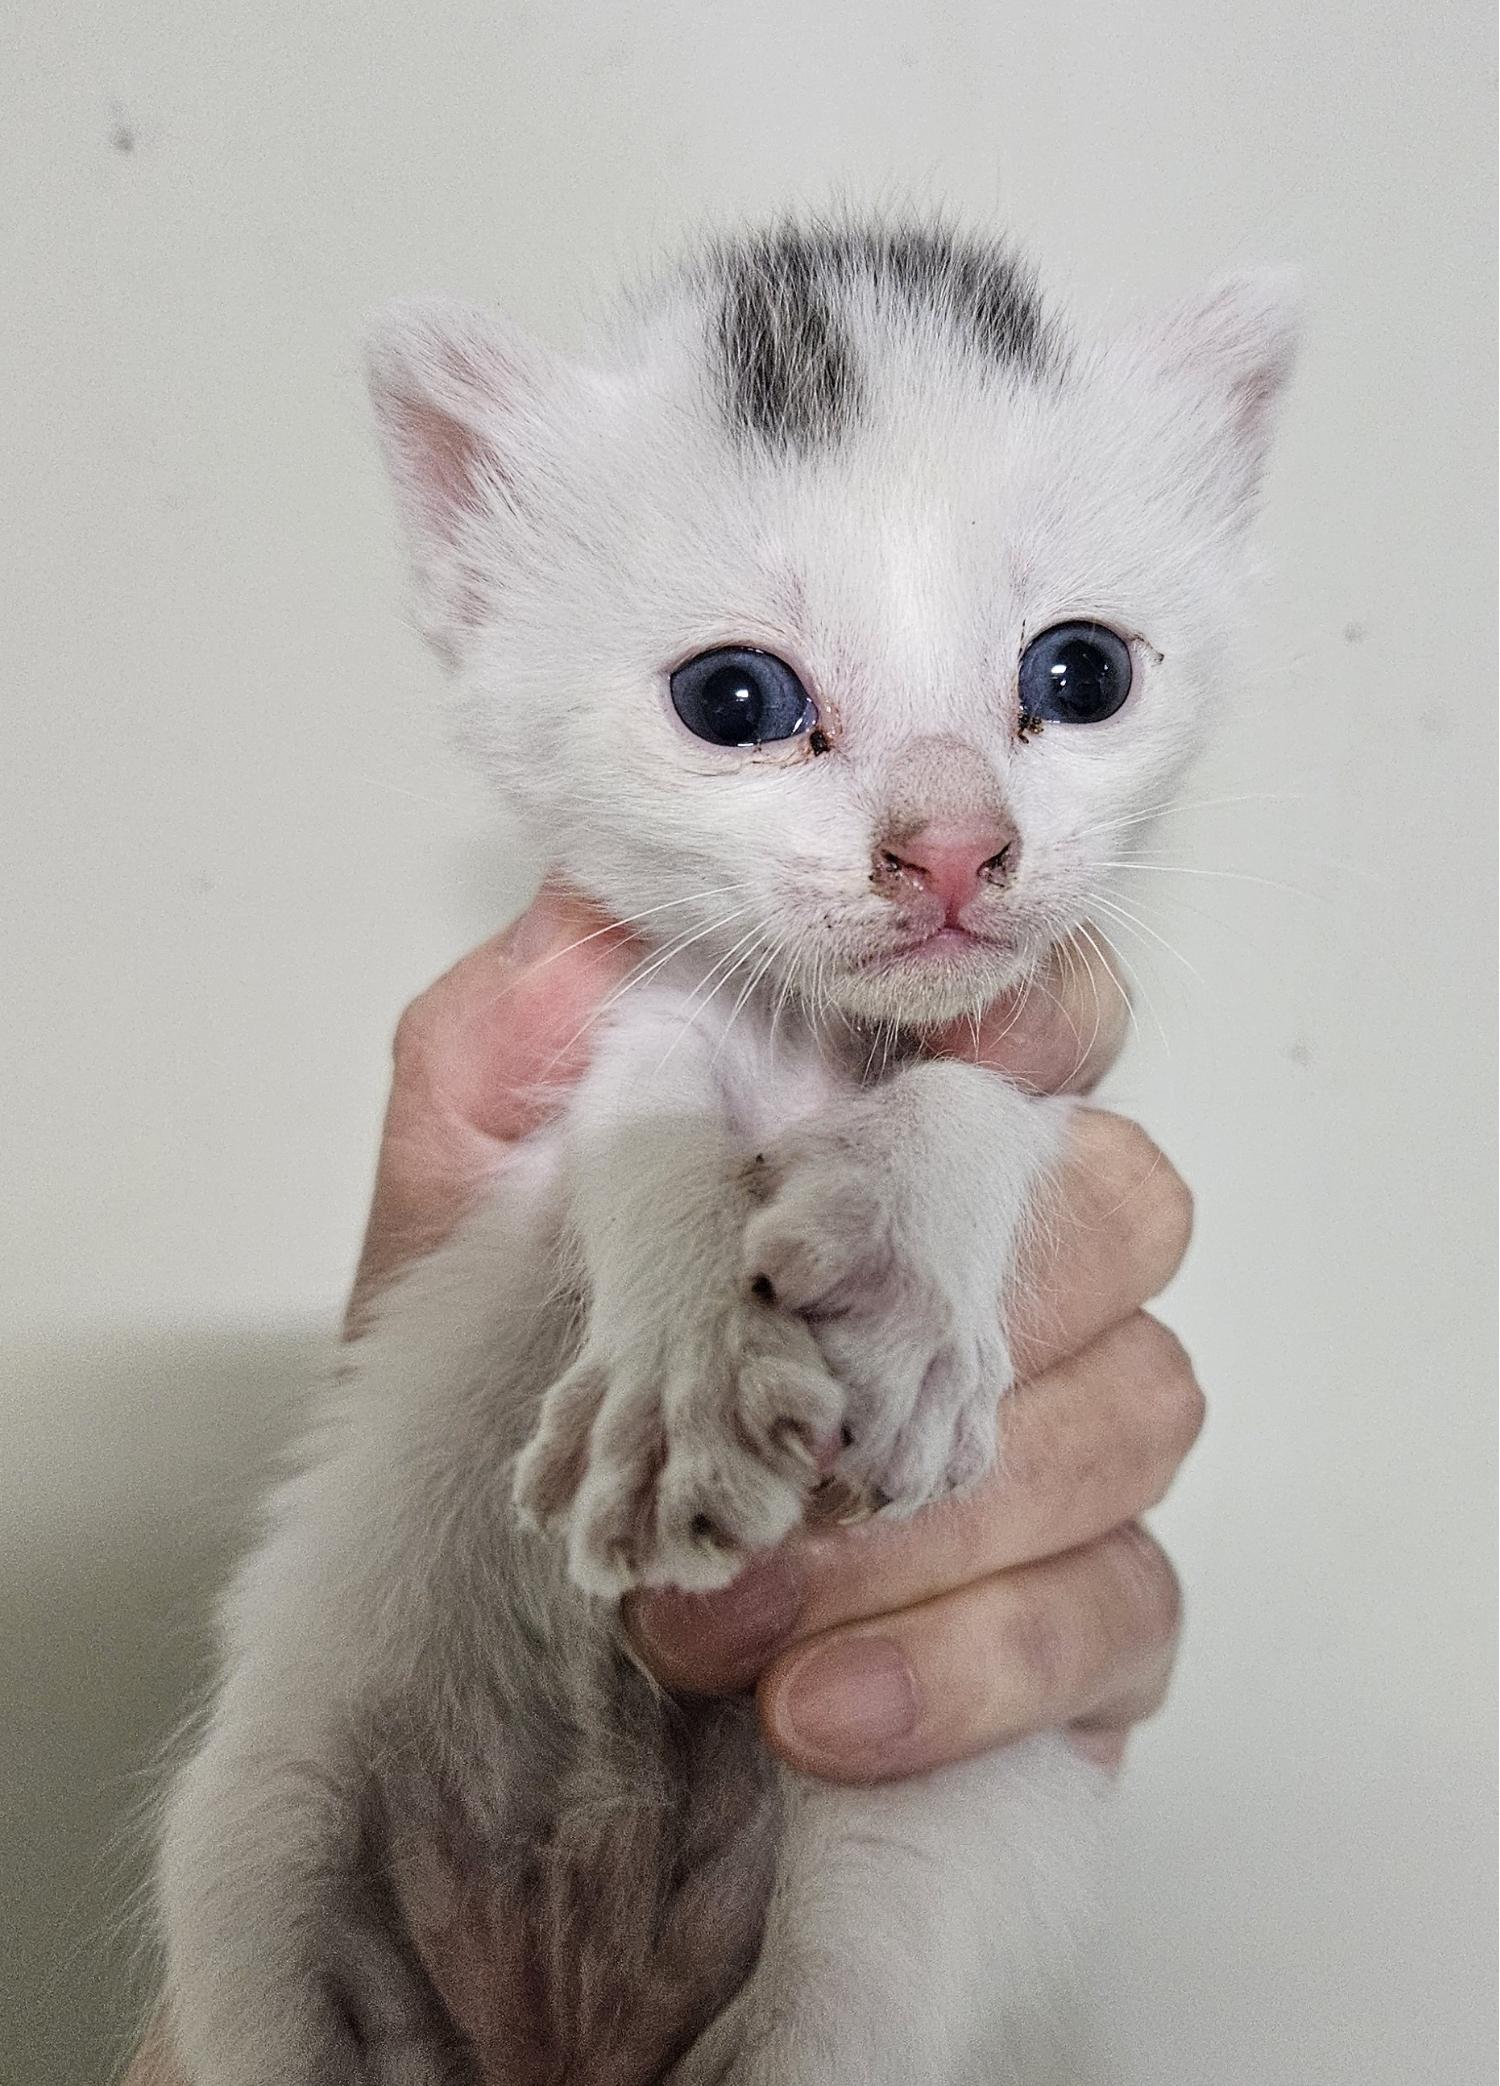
(1078, 673)
(741, 697)
(731, 703)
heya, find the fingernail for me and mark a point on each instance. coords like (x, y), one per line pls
(720, 1640)
(849, 1698)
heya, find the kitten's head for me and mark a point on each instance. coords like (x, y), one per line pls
(838, 613)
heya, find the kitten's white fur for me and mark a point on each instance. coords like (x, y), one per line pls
(422, 1716)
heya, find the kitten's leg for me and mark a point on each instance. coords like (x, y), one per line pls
(690, 1429)
(921, 1933)
(345, 1653)
(289, 1964)
(893, 1224)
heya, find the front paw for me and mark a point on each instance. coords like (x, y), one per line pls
(669, 1457)
(909, 1325)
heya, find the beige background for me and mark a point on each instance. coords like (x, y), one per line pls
(233, 844)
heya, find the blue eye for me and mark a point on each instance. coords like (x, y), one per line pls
(1075, 673)
(740, 697)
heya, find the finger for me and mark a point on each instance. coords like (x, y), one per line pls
(1093, 1443)
(498, 1036)
(1061, 1033)
(1114, 1230)
(1024, 1651)
(481, 1058)
(1111, 1231)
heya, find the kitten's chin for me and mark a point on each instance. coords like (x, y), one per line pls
(933, 983)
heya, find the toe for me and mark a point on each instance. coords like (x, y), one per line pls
(551, 1467)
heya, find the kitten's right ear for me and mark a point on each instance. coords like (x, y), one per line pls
(460, 402)
(1237, 340)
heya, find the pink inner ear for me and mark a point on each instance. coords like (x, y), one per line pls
(445, 459)
(1245, 331)
(439, 465)
(450, 396)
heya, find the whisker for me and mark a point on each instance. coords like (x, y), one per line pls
(1144, 863)
(402, 789)
(756, 964)
(1133, 979)
(1146, 935)
(660, 959)
(1175, 806)
(1119, 911)
(634, 919)
(1074, 966)
(645, 970)
(513, 984)
(771, 952)
(751, 941)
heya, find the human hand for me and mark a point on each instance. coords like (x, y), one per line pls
(1034, 1602)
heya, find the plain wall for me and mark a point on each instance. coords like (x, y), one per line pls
(234, 844)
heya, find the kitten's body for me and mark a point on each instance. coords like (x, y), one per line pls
(761, 1219)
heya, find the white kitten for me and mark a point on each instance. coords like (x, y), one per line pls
(839, 621)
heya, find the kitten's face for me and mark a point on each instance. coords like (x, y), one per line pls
(861, 690)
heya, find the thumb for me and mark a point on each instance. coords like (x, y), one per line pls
(481, 1058)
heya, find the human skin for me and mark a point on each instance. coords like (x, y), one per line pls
(877, 1649)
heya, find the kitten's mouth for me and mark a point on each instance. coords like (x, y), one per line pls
(940, 945)
(923, 978)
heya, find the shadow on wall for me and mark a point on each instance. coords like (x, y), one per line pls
(131, 1462)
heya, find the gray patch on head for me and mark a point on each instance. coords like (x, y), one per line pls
(788, 357)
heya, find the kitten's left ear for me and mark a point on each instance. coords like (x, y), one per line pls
(463, 404)
(1237, 342)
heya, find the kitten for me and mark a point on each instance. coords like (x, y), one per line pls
(838, 620)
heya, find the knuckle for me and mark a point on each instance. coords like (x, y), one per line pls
(1174, 1207)
(1155, 1200)
(1040, 1654)
(1189, 1409)
(1154, 1589)
(424, 1037)
(413, 1037)
(1175, 1405)
(1138, 1152)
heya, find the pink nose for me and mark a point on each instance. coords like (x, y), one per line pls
(949, 862)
